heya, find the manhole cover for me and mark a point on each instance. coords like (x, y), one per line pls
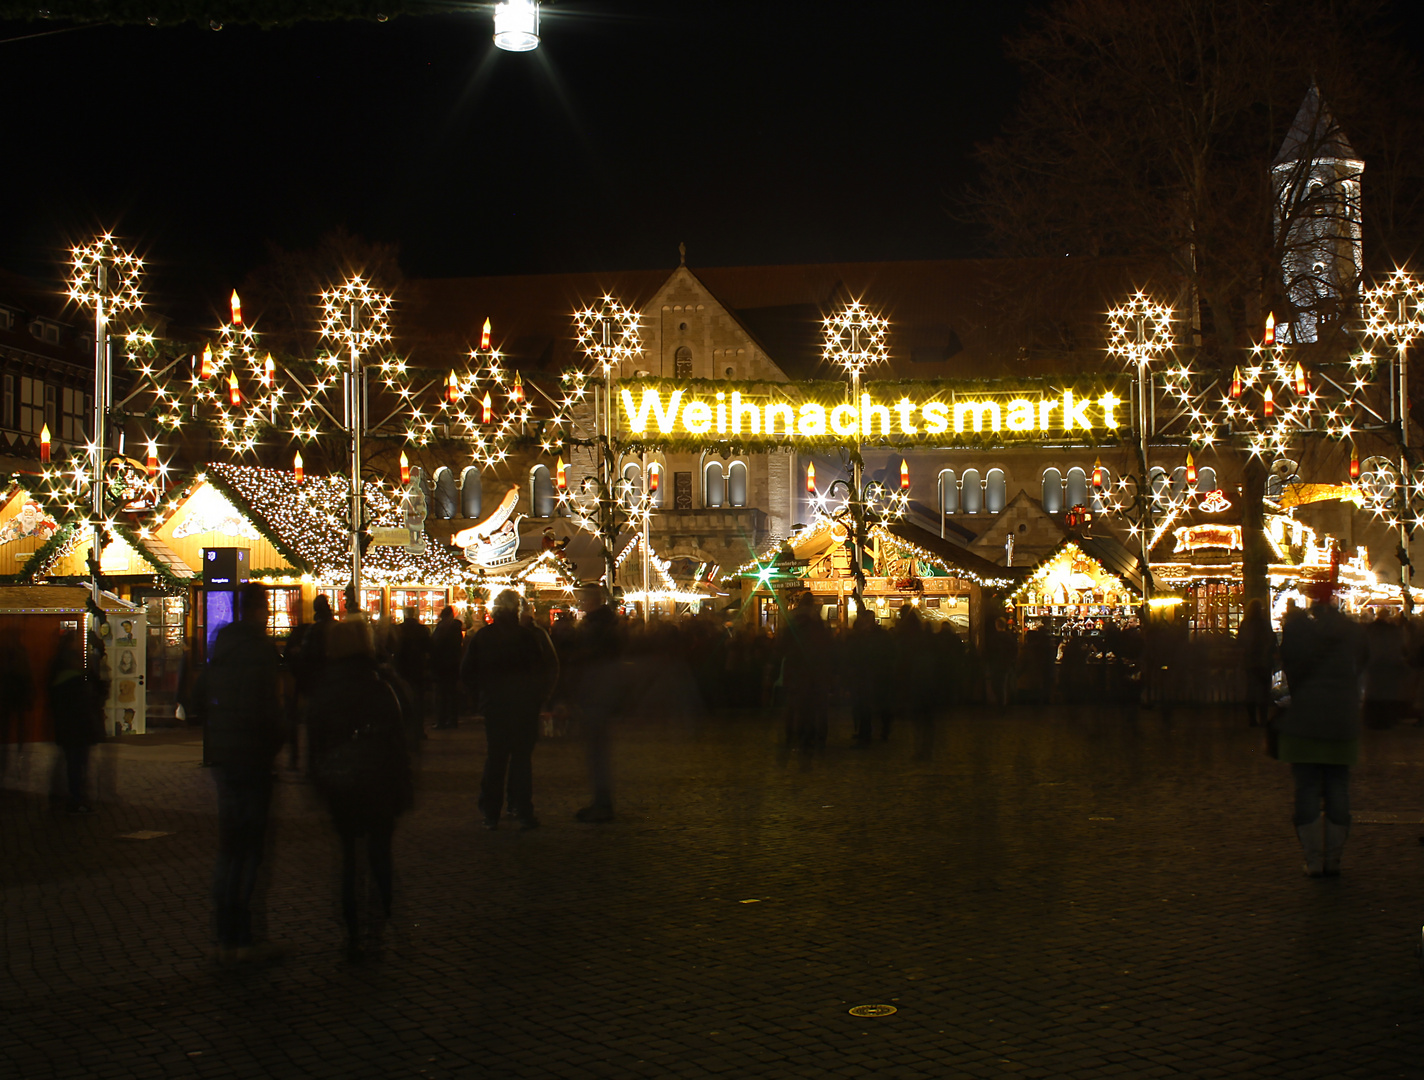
(143, 834)
(872, 1010)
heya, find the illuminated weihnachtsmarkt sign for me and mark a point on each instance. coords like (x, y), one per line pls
(663, 411)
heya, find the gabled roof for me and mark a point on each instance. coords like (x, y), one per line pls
(955, 559)
(1114, 556)
(1314, 131)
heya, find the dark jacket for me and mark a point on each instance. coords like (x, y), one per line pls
(1321, 656)
(410, 652)
(74, 707)
(238, 691)
(509, 669)
(446, 645)
(351, 702)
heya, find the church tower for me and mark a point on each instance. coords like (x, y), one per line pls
(1316, 177)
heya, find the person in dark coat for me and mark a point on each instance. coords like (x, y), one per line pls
(594, 689)
(74, 707)
(242, 712)
(1257, 643)
(410, 655)
(1319, 734)
(806, 647)
(305, 655)
(918, 673)
(447, 642)
(510, 669)
(360, 764)
(867, 666)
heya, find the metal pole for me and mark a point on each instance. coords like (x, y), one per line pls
(647, 543)
(101, 416)
(355, 415)
(857, 503)
(1406, 501)
(1144, 387)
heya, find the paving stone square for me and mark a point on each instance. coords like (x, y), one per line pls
(1058, 893)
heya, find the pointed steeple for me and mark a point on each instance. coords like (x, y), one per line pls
(1315, 132)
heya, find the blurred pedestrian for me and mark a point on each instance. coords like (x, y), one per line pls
(1001, 664)
(1319, 733)
(305, 655)
(446, 647)
(807, 656)
(410, 655)
(242, 711)
(16, 693)
(596, 694)
(1388, 678)
(917, 678)
(1256, 642)
(77, 717)
(361, 767)
(867, 665)
(510, 669)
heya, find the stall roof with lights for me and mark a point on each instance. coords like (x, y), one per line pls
(1102, 563)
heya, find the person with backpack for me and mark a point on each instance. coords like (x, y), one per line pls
(360, 765)
(510, 670)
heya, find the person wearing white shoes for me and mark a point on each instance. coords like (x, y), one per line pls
(1319, 734)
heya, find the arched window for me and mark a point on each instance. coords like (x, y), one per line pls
(972, 492)
(470, 492)
(737, 484)
(541, 492)
(948, 492)
(682, 363)
(1077, 485)
(714, 485)
(630, 486)
(1179, 482)
(443, 501)
(1052, 491)
(655, 480)
(995, 491)
(1102, 496)
(1157, 481)
(1206, 479)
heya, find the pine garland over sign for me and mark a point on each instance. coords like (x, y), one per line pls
(215, 14)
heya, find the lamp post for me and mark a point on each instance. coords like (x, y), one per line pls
(855, 339)
(105, 277)
(516, 25)
(357, 318)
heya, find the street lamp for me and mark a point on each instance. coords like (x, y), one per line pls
(516, 25)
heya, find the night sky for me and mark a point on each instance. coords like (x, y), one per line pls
(754, 132)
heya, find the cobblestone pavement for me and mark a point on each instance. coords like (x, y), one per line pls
(1054, 895)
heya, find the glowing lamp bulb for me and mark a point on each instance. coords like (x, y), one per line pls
(205, 369)
(152, 459)
(904, 475)
(1354, 464)
(516, 25)
(1236, 385)
(561, 476)
(516, 392)
(405, 468)
(1300, 386)
(487, 409)
(1191, 471)
(297, 470)
(269, 371)
(44, 444)
(485, 337)
(234, 393)
(452, 388)
(1270, 403)
(1270, 338)
(1098, 474)
(811, 478)
(236, 309)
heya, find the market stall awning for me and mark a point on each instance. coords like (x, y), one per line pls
(954, 560)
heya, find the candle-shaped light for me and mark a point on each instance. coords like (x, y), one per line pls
(1191, 471)
(561, 476)
(152, 459)
(1270, 403)
(44, 444)
(236, 309)
(452, 388)
(1354, 463)
(205, 369)
(297, 469)
(1270, 338)
(485, 337)
(1300, 384)
(234, 393)
(516, 392)
(487, 409)
(1236, 385)
(811, 478)
(269, 371)
(405, 468)
(904, 475)
(655, 476)
(1097, 474)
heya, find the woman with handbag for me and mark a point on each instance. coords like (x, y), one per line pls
(360, 763)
